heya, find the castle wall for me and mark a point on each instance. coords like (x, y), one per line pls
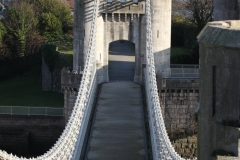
(128, 30)
(178, 99)
(70, 83)
(29, 135)
(219, 86)
(121, 22)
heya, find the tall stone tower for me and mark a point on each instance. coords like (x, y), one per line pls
(122, 20)
(161, 30)
(118, 21)
(226, 10)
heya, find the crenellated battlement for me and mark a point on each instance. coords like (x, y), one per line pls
(127, 7)
(70, 80)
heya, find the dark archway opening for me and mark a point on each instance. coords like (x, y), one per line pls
(121, 65)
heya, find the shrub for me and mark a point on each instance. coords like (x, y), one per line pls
(50, 26)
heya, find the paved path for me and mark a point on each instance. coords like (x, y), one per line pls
(118, 129)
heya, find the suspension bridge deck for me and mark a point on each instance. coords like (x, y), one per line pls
(118, 129)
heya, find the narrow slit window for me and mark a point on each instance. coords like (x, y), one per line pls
(157, 33)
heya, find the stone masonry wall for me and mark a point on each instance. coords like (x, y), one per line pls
(178, 110)
(70, 83)
(70, 97)
(186, 146)
(178, 98)
(29, 135)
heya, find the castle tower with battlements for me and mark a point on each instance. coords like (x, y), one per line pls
(120, 23)
(122, 20)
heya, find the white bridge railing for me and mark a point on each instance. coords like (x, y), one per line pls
(70, 143)
(161, 146)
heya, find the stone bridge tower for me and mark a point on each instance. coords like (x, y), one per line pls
(122, 20)
(118, 20)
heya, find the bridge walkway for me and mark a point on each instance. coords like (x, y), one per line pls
(118, 126)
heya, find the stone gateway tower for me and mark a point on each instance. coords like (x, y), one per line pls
(120, 42)
(122, 20)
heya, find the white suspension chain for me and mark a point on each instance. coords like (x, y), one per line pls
(65, 146)
(161, 146)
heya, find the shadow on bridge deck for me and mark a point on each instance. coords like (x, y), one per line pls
(118, 128)
(121, 64)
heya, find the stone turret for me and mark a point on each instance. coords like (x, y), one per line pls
(80, 39)
(161, 33)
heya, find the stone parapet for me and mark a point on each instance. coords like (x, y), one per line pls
(70, 80)
(177, 84)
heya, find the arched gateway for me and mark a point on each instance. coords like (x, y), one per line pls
(117, 21)
(121, 61)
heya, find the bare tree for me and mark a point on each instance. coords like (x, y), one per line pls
(179, 7)
(199, 12)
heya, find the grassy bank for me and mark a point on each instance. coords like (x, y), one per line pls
(26, 90)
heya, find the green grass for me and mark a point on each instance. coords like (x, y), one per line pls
(26, 91)
(64, 44)
(179, 50)
(180, 55)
